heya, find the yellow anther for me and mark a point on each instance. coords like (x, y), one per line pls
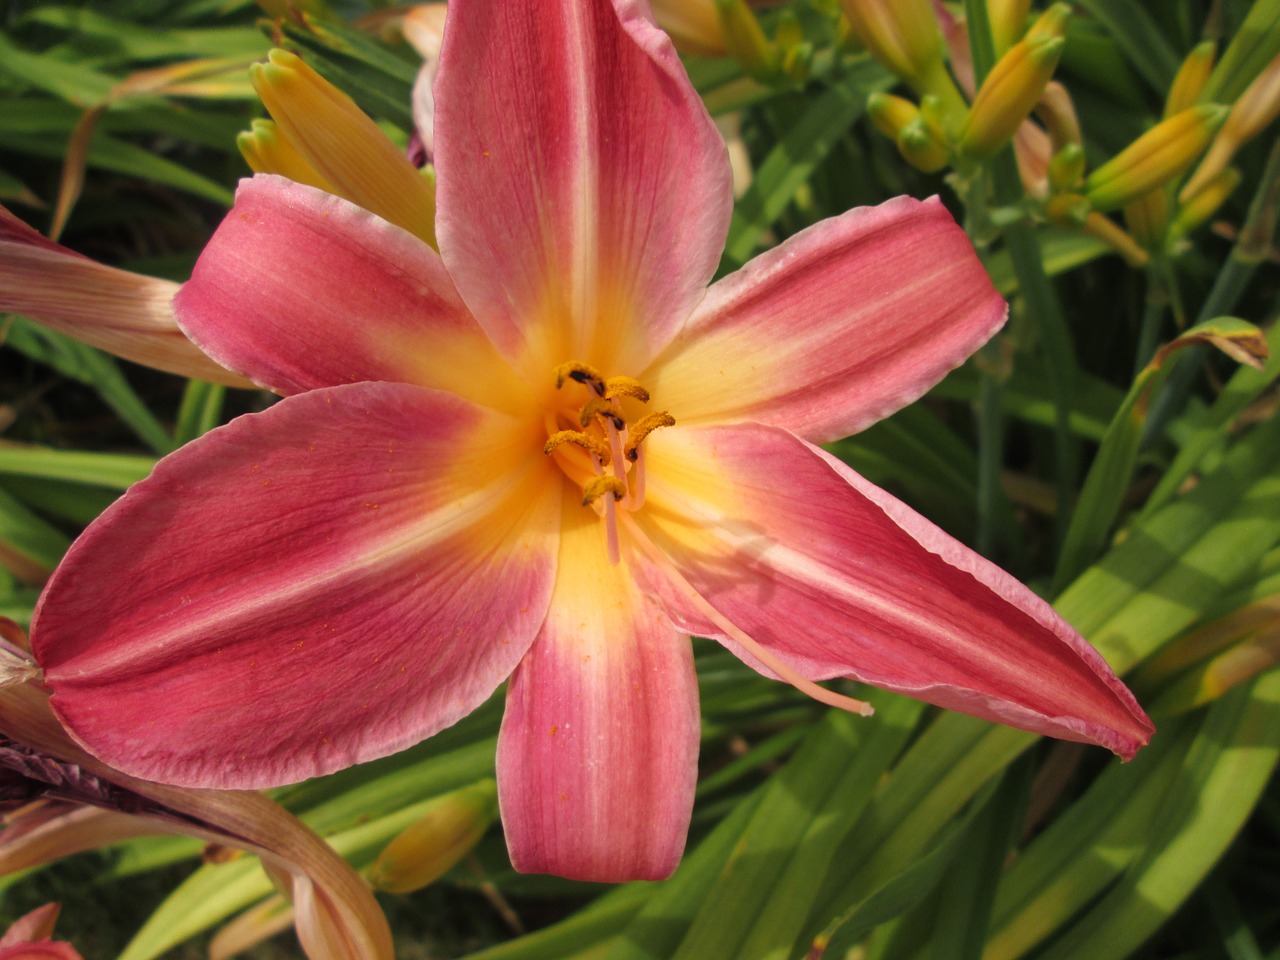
(597, 487)
(582, 373)
(625, 387)
(591, 444)
(642, 428)
(600, 407)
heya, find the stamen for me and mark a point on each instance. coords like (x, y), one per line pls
(611, 530)
(582, 373)
(600, 407)
(642, 428)
(625, 387)
(593, 445)
(597, 487)
(735, 633)
(615, 448)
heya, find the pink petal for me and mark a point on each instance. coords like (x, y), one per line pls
(317, 585)
(300, 289)
(838, 327)
(584, 192)
(123, 313)
(836, 578)
(597, 759)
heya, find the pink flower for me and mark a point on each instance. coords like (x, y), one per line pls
(362, 564)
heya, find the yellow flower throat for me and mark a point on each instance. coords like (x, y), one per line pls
(604, 455)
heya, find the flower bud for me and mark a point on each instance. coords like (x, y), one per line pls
(923, 146)
(746, 40)
(1058, 113)
(445, 833)
(1011, 89)
(901, 34)
(1110, 233)
(1197, 210)
(1191, 78)
(1252, 113)
(267, 150)
(693, 25)
(890, 113)
(1008, 19)
(1148, 218)
(1155, 158)
(343, 144)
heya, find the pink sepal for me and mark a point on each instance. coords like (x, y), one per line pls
(839, 579)
(597, 759)
(836, 328)
(303, 589)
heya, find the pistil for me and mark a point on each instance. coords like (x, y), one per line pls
(613, 445)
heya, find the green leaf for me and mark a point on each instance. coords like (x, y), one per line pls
(29, 547)
(1254, 45)
(93, 367)
(1218, 784)
(1111, 473)
(1138, 35)
(113, 470)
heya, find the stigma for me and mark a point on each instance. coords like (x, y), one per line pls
(599, 446)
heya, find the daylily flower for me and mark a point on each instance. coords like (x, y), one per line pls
(124, 313)
(57, 800)
(548, 452)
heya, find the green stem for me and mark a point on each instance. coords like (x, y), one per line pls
(1153, 310)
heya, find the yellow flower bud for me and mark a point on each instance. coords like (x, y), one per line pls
(267, 150)
(428, 848)
(1051, 23)
(890, 114)
(1148, 218)
(1008, 19)
(746, 40)
(901, 34)
(344, 145)
(693, 25)
(1110, 233)
(1011, 89)
(1155, 158)
(923, 146)
(1191, 78)
(1197, 209)
(1253, 112)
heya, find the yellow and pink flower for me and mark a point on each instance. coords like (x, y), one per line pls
(548, 451)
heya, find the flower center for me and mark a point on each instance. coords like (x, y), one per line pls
(599, 446)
